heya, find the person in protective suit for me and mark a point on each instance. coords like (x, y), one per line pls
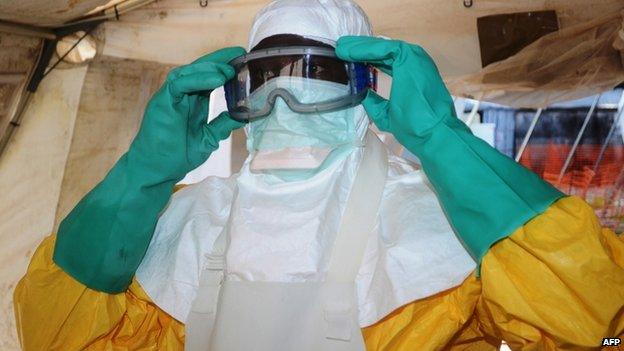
(323, 240)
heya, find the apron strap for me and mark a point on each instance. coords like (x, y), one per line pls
(204, 309)
(358, 222)
(360, 214)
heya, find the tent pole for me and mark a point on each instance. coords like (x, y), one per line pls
(525, 142)
(578, 138)
(616, 121)
(112, 12)
(26, 30)
(473, 113)
(15, 122)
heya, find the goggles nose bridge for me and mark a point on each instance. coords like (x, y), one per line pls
(289, 99)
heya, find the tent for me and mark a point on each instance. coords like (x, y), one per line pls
(59, 135)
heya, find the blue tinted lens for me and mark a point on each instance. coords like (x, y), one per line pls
(230, 94)
(235, 93)
(361, 77)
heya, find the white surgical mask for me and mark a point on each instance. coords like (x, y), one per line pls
(295, 145)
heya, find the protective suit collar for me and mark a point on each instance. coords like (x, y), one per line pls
(413, 254)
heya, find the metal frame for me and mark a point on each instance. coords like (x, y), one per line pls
(616, 122)
(578, 138)
(473, 113)
(26, 30)
(525, 142)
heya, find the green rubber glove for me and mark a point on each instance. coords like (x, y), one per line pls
(485, 194)
(103, 240)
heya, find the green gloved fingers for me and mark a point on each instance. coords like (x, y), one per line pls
(485, 195)
(425, 92)
(197, 77)
(377, 109)
(218, 129)
(173, 119)
(103, 240)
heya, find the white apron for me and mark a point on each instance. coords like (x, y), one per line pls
(267, 316)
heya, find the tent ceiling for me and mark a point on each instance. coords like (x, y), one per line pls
(407, 16)
(46, 13)
(178, 31)
(174, 32)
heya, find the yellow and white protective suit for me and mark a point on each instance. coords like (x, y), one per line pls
(556, 282)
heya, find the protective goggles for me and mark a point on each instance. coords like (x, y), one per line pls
(246, 94)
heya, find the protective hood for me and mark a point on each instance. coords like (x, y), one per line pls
(288, 141)
(323, 20)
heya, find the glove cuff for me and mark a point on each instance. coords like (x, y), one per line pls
(104, 238)
(485, 194)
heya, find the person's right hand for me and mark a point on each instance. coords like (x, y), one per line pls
(174, 137)
(104, 238)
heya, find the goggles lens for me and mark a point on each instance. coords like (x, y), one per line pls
(258, 68)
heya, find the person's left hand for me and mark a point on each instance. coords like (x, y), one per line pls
(485, 194)
(418, 98)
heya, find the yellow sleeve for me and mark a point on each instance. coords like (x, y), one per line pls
(444, 321)
(55, 312)
(557, 283)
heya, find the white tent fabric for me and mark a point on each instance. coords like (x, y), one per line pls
(178, 31)
(31, 172)
(446, 30)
